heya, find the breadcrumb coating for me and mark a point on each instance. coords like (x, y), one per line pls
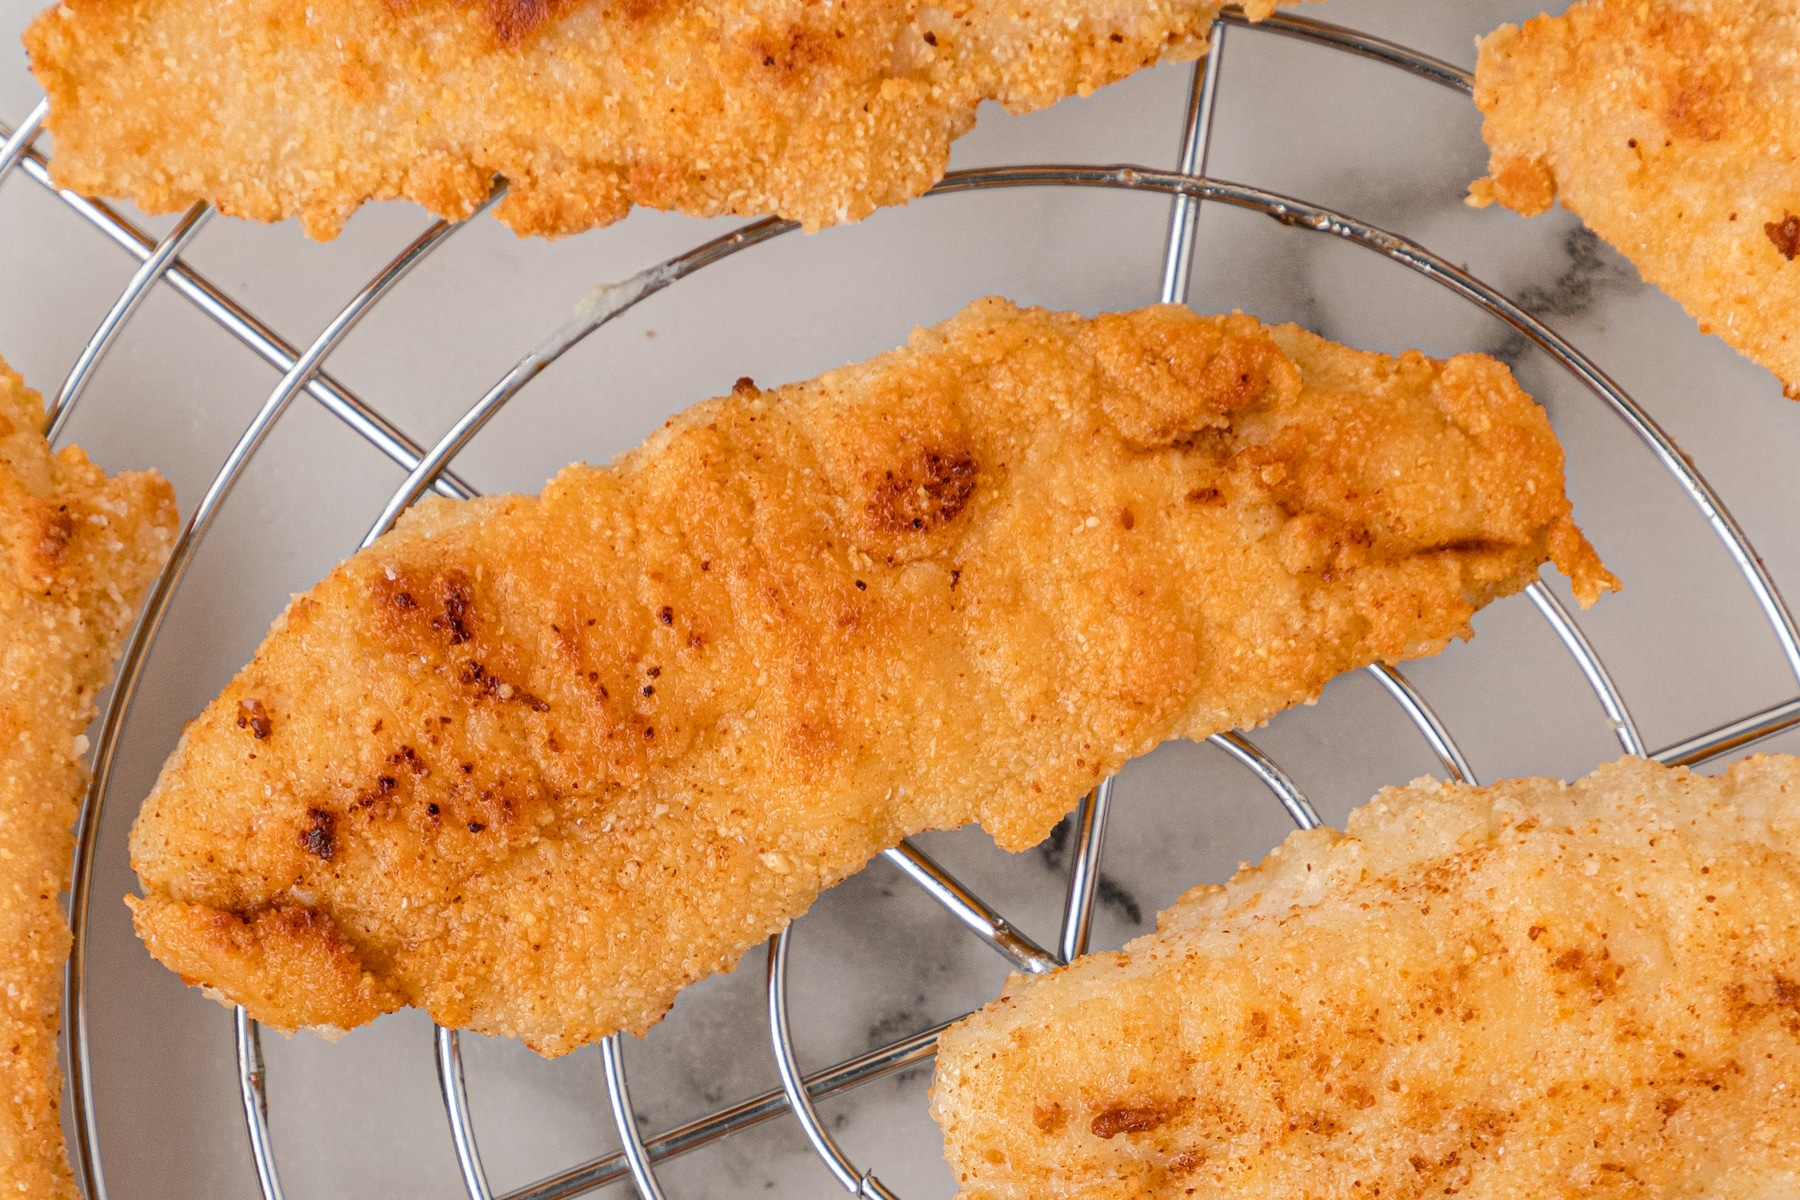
(535, 763)
(1530, 989)
(820, 112)
(1672, 128)
(77, 552)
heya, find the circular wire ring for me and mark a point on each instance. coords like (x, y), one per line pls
(857, 1183)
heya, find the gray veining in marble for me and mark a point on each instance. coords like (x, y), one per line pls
(874, 960)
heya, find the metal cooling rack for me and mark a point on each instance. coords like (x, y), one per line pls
(427, 469)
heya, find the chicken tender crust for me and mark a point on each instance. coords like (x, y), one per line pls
(1672, 128)
(535, 763)
(77, 551)
(821, 112)
(1530, 989)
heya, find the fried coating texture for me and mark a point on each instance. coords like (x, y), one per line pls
(1530, 989)
(821, 112)
(535, 763)
(1673, 130)
(77, 551)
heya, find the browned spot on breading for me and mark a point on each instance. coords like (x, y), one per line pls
(1691, 112)
(1597, 972)
(514, 20)
(459, 607)
(59, 527)
(320, 837)
(1785, 233)
(477, 676)
(409, 758)
(1748, 1003)
(925, 496)
(254, 717)
(1137, 1118)
(1049, 1118)
(799, 51)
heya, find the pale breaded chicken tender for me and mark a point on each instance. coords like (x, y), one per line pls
(77, 552)
(821, 112)
(1672, 128)
(535, 763)
(1530, 989)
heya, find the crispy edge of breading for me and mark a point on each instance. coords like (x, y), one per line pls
(77, 552)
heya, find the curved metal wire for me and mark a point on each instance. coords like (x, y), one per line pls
(611, 1168)
(131, 664)
(1618, 717)
(598, 307)
(858, 1183)
(136, 291)
(1437, 735)
(974, 913)
(264, 342)
(1084, 872)
(1734, 735)
(455, 1088)
(18, 142)
(1196, 141)
(1363, 45)
(1298, 808)
(255, 1098)
(631, 1142)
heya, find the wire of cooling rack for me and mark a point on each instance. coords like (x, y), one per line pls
(159, 260)
(631, 1142)
(264, 342)
(135, 293)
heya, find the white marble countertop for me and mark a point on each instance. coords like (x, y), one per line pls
(875, 960)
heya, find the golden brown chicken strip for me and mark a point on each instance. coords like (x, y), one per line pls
(535, 763)
(1530, 989)
(1672, 127)
(818, 112)
(77, 551)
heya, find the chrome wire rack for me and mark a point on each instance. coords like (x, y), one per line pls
(303, 373)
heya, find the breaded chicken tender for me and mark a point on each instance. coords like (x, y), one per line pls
(77, 551)
(1672, 127)
(535, 763)
(821, 112)
(1530, 989)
